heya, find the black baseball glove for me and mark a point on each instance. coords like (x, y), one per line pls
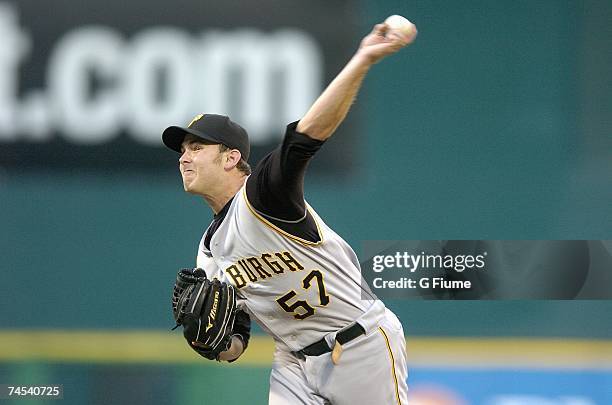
(206, 309)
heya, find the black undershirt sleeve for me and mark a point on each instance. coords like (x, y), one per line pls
(242, 326)
(242, 329)
(276, 186)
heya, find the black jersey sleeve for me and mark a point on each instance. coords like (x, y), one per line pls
(242, 328)
(276, 186)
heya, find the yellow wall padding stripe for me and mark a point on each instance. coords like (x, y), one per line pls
(392, 365)
(155, 346)
(534, 353)
(115, 347)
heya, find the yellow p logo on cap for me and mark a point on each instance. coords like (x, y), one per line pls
(196, 118)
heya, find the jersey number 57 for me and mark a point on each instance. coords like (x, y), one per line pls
(307, 309)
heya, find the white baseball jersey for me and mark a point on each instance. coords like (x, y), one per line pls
(296, 290)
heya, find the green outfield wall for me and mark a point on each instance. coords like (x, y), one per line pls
(471, 133)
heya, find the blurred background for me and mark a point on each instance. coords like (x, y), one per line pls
(495, 124)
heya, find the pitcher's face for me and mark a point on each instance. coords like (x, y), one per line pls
(200, 165)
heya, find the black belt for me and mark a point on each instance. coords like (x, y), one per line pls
(321, 347)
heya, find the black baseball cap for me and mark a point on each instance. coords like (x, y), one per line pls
(212, 128)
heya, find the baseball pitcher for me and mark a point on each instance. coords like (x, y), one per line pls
(267, 256)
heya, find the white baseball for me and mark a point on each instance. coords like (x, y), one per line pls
(402, 24)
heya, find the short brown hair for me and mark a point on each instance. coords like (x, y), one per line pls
(242, 165)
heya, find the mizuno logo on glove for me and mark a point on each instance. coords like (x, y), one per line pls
(206, 309)
(213, 311)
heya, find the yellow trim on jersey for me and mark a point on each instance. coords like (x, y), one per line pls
(277, 229)
(397, 396)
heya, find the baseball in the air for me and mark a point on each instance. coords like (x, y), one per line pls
(401, 24)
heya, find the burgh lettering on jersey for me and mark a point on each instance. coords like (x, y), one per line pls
(252, 269)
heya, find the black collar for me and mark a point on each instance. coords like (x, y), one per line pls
(216, 223)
